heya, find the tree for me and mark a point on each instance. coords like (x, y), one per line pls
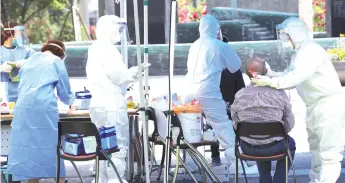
(43, 18)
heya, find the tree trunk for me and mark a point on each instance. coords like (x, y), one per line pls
(83, 10)
(4, 11)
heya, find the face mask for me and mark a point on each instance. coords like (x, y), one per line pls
(19, 41)
(14, 43)
(287, 45)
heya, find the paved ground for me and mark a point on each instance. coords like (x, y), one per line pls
(302, 164)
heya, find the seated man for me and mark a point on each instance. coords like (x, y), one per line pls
(258, 104)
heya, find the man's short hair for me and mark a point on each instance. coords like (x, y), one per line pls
(257, 65)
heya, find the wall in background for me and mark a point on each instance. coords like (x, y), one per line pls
(159, 56)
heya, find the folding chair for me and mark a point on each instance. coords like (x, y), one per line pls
(262, 131)
(85, 128)
(191, 149)
(155, 140)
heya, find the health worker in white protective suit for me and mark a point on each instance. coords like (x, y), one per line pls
(207, 58)
(108, 78)
(312, 73)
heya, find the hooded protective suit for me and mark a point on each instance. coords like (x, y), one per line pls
(108, 78)
(207, 57)
(318, 85)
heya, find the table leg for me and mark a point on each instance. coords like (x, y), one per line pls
(130, 160)
(137, 136)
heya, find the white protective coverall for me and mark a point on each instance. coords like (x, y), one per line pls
(108, 78)
(207, 57)
(318, 85)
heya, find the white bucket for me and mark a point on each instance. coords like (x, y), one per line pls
(161, 122)
(191, 126)
(175, 131)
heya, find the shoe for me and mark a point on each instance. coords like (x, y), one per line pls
(93, 169)
(250, 170)
(216, 161)
(181, 170)
(251, 163)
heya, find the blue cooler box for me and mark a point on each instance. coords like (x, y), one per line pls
(83, 99)
(78, 145)
(108, 138)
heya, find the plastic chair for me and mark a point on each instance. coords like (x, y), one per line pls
(268, 130)
(87, 129)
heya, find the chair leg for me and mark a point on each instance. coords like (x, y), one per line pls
(162, 164)
(57, 168)
(113, 166)
(236, 170)
(3, 179)
(292, 165)
(286, 169)
(76, 169)
(244, 171)
(242, 164)
(97, 169)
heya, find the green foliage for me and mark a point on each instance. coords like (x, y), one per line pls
(43, 19)
(338, 53)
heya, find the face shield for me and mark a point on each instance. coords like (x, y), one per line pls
(283, 39)
(20, 38)
(121, 33)
(219, 33)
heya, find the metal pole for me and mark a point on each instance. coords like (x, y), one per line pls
(146, 72)
(171, 75)
(146, 52)
(142, 99)
(124, 41)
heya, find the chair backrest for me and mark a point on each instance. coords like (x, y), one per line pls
(85, 128)
(260, 131)
(150, 112)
